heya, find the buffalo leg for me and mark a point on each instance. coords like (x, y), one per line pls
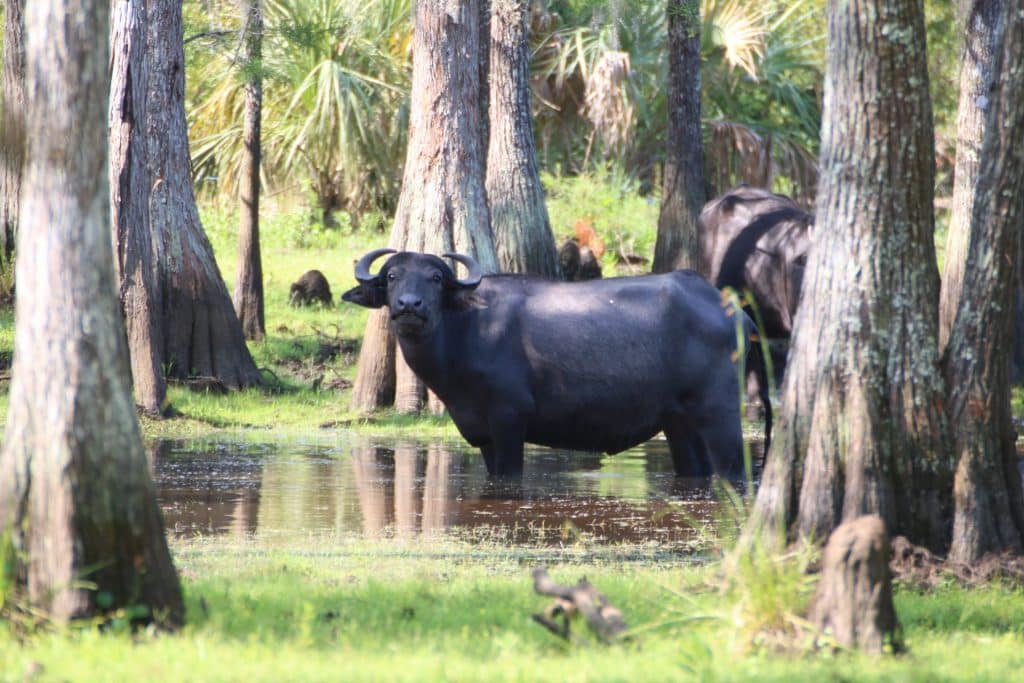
(724, 444)
(689, 456)
(487, 451)
(506, 446)
(508, 461)
(718, 422)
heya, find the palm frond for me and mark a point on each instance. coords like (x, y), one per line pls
(736, 28)
(330, 69)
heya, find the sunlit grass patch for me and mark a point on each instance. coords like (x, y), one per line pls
(289, 411)
(325, 607)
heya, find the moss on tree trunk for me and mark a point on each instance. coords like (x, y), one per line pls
(76, 497)
(519, 216)
(863, 423)
(989, 507)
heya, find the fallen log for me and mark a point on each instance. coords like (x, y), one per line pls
(604, 620)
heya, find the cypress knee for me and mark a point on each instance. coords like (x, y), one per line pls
(854, 597)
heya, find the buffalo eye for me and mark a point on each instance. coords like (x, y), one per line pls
(437, 278)
(391, 276)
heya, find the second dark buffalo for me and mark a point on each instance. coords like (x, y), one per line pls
(311, 287)
(758, 240)
(601, 365)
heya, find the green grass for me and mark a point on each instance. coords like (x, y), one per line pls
(337, 608)
(330, 608)
(290, 246)
(611, 204)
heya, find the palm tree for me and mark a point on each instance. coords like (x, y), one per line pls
(336, 82)
(336, 92)
(761, 67)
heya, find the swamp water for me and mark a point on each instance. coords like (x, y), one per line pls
(410, 489)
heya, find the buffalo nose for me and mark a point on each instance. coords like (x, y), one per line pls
(409, 301)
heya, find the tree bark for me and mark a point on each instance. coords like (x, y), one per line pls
(519, 216)
(12, 136)
(484, 97)
(374, 385)
(862, 420)
(139, 292)
(977, 56)
(248, 294)
(989, 513)
(682, 196)
(197, 332)
(443, 206)
(76, 496)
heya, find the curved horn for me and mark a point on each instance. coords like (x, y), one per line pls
(476, 273)
(363, 266)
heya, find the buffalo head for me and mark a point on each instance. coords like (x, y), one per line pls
(415, 287)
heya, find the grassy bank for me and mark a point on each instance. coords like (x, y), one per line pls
(345, 609)
(308, 357)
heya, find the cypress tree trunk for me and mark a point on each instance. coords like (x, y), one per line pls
(485, 76)
(989, 507)
(197, 331)
(129, 181)
(682, 195)
(862, 420)
(519, 216)
(12, 134)
(374, 385)
(443, 206)
(201, 331)
(248, 294)
(981, 25)
(75, 491)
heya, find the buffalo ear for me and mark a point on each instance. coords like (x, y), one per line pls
(463, 300)
(369, 295)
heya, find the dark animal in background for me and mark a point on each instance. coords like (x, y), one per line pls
(596, 366)
(578, 263)
(312, 286)
(753, 239)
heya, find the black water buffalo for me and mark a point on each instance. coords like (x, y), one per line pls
(757, 240)
(312, 286)
(600, 365)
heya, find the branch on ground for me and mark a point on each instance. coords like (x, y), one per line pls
(604, 620)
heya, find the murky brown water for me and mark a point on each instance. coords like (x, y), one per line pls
(420, 488)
